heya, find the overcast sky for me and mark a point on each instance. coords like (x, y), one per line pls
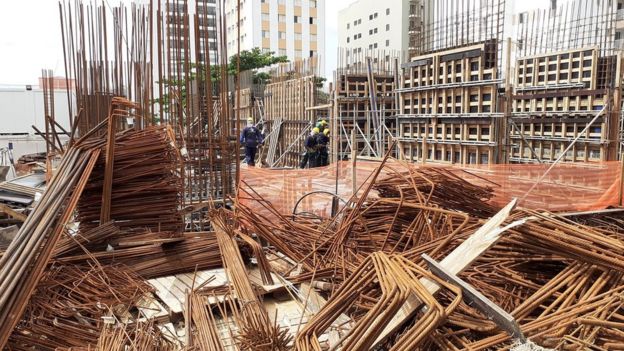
(30, 37)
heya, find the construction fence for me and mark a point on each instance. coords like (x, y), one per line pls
(566, 187)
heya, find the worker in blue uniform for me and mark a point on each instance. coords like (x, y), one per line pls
(251, 137)
(310, 156)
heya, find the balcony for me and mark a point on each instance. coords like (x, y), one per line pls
(620, 15)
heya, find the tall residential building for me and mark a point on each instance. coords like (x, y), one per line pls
(374, 25)
(293, 28)
(619, 25)
(177, 34)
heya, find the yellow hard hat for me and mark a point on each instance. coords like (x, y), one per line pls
(323, 122)
(326, 131)
(315, 130)
(250, 120)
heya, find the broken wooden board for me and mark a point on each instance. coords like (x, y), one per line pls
(504, 320)
(171, 290)
(150, 309)
(456, 262)
(256, 279)
(12, 213)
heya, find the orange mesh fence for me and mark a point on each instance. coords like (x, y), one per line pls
(567, 187)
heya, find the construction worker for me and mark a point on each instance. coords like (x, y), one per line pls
(251, 138)
(322, 125)
(310, 155)
(322, 140)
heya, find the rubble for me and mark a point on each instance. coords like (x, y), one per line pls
(148, 236)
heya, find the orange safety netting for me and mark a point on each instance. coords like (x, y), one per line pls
(567, 187)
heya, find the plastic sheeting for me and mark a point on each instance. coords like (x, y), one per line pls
(567, 187)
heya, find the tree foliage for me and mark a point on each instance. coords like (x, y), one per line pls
(254, 59)
(249, 60)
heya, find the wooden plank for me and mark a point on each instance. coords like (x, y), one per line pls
(150, 308)
(12, 213)
(503, 319)
(456, 262)
(256, 279)
(173, 298)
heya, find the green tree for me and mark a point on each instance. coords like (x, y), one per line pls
(254, 59)
(249, 60)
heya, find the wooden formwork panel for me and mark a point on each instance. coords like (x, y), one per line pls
(449, 110)
(290, 101)
(354, 108)
(556, 96)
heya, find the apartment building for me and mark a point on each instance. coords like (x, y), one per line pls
(178, 35)
(374, 25)
(293, 28)
(449, 107)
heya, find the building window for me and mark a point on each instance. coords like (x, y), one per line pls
(387, 11)
(312, 3)
(265, 17)
(312, 20)
(312, 53)
(282, 35)
(387, 27)
(297, 19)
(375, 16)
(313, 38)
(297, 36)
(370, 18)
(298, 53)
(375, 31)
(348, 25)
(348, 39)
(387, 42)
(266, 34)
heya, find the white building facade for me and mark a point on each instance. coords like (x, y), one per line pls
(292, 28)
(374, 25)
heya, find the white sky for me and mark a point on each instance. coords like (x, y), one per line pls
(30, 38)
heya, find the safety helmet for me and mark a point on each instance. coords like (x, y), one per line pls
(315, 130)
(326, 131)
(323, 122)
(250, 120)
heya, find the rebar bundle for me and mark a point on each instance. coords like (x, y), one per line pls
(256, 331)
(559, 277)
(145, 187)
(25, 259)
(73, 298)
